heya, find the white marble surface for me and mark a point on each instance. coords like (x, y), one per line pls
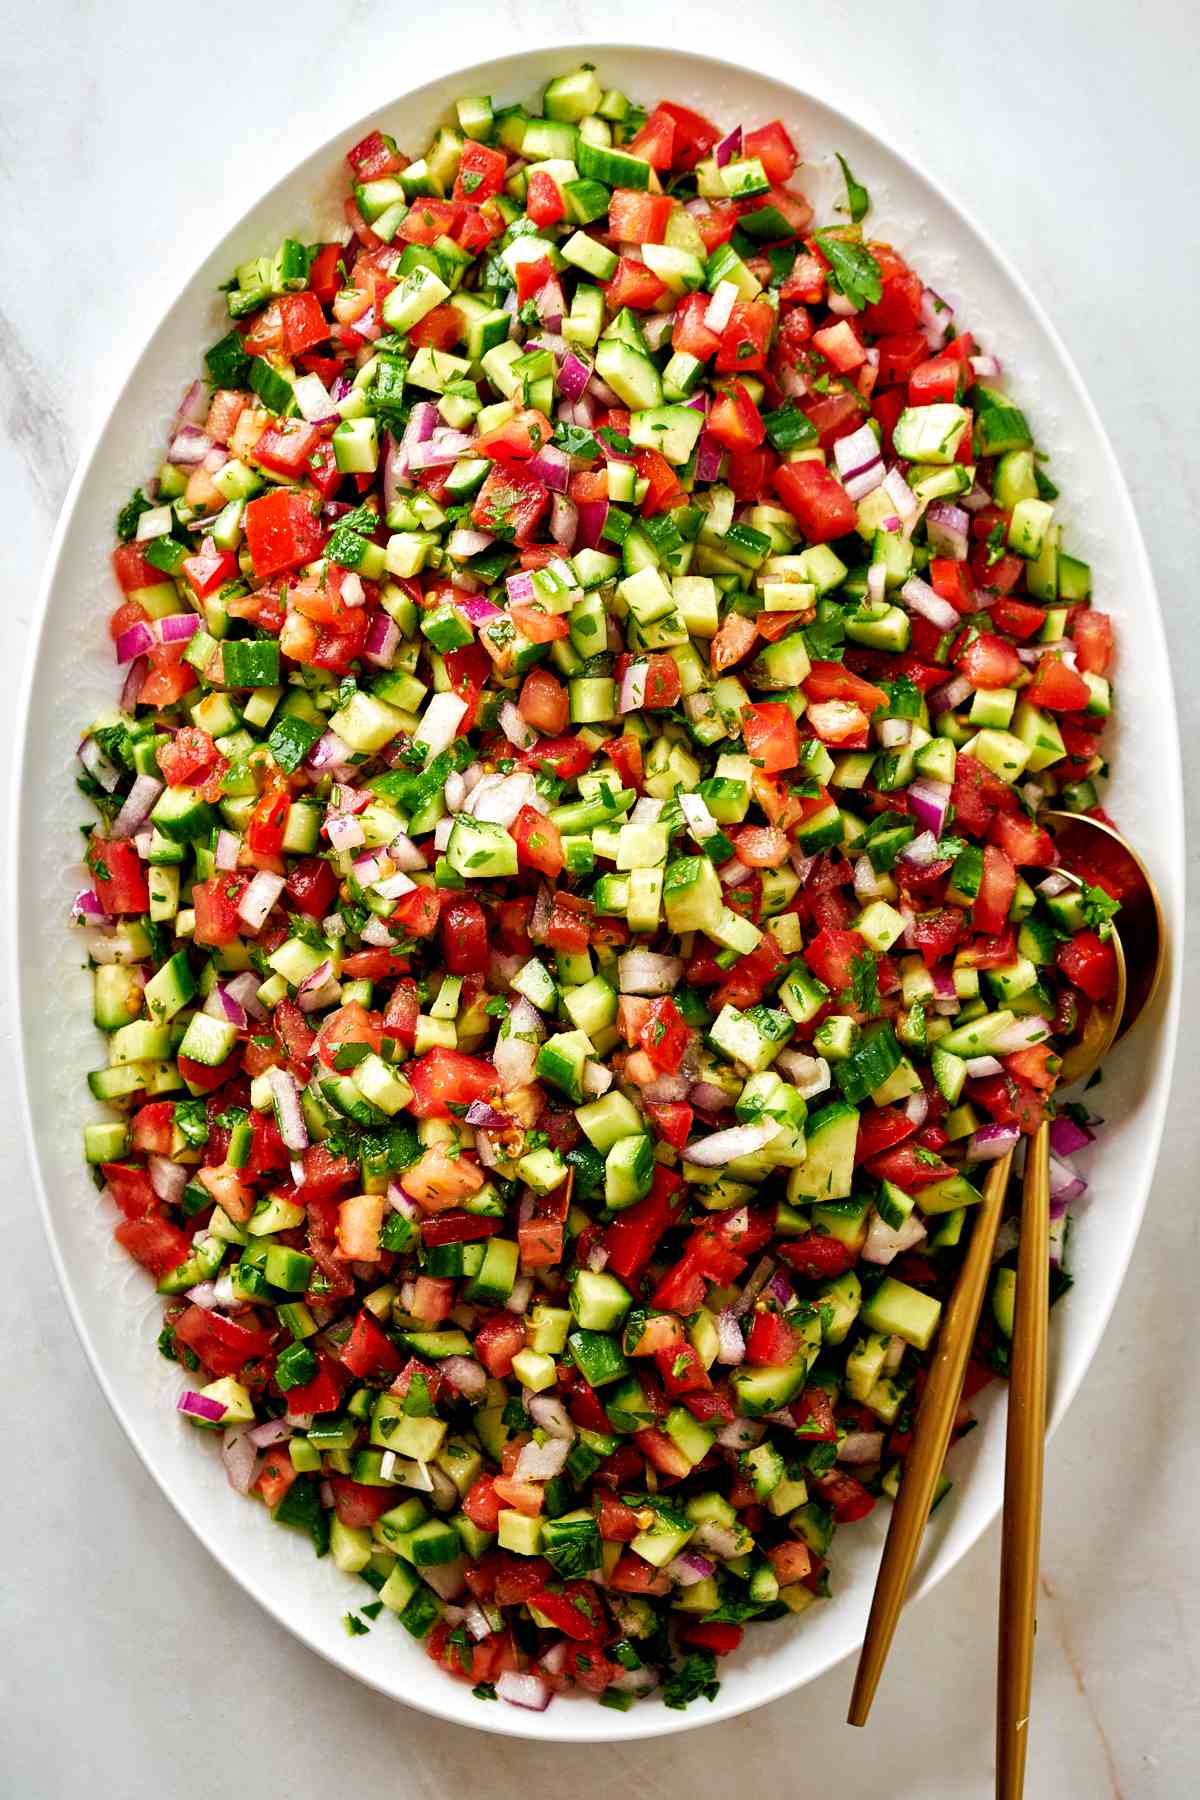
(129, 138)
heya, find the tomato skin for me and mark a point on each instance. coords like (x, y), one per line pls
(464, 936)
(118, 875)
(710, 1634)
(771, 1342)
(538, 841)
(543, 703)
(771, 737)
(690, 334)
(512, 498)
(369, 1350)
(831, 956)
(441, 1077)
(1024, 843)
(481, 172)
(154, 1242)
(848, 1498)
(1057, 687)
(497, 1341)
(633, 285)
(268, 821)
(743, 346)
(1090, 964)
(735, 421)
(1093, 635)
(417, 913)
(664, 490)
(938, 932)
(816, 500)
(909, 1168)
(654, 142)
(638, 217)
(694, 135)
(312, 886)
(282, 532)
(664, 1037)
(988, 662)
(997, 887)
(223, 1345)
(191, 752)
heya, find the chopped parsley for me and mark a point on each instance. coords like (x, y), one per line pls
(694, 1679)
(858, 201)
(855, 271)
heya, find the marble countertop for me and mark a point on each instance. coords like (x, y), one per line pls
(128, 138)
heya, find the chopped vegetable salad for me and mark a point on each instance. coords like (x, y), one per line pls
(568, 907)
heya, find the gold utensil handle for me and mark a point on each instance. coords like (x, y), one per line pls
(931, 1437)
(1023, 1470)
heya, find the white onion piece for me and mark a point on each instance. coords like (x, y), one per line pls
(519, 1689)
(440, 724)
(738, 1140)
(884, 1244)
(259, 898)
(646, 972)
(499, 798)
(542, 1462)
(860, 1447)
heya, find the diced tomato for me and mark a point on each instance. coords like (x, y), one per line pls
(312, 886)
(937, 933)
(774, 150)
(564, 757)
(664, 1035)
(442, 1078)
(1017, 617)
(350, 1024)
(831, 956)
(428, 220)
(543, 702)
(634, 1576)
(654, 142)
(154, 1242)
(374, 156)
(771, 1342)
(369, 1350)
(977, 794)
(816, 500)
(129, 1183)
(635, 285)
(1090, 964)
(511, 501)
(848, 1498)
(817, 1256)
(689, 334)
(711, 1634)
(1093, 635)
(282, 531)
(735, 638)
(694, 135)
(840, 345)
(118, 875)
(481, 172)
(267, 823)
(417, 913)
(357, 1505)
(440, 329)
(519, 438)
(769, 729)
(664, 490)
(744, 341)
(638, 217)
(1057, 687)
(898, 308)
(223, 1345)
(543, 198)
(497, 1341)
(734, 420)
(663, 686)
(1023, 842)
(997, 887)
(988, 662)
(910, 1166)
(464, 935)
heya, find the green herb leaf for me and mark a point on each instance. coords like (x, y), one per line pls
(858, 201)
(855, 270)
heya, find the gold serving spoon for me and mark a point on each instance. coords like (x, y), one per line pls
(1139, 958)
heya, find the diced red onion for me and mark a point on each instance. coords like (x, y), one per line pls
(564, 521)
(856, 452)
(952, 693)
(860, 1447)
(929, 801)
(465, 1374)
(916, 1108)
(707, 1097)
(860, 485)
(902, 497)
(541, 1462)
(383, 641)
(689, 1567)
(200, 1406)
(189, 446)
(550, 1413)
(551, 466)
(979, 1068)
(731, 1346)
(921, 598)
(809, 1075)
(204, 1295)
(736, 1434)
(524, 1690)
(936, 318)
(240, 1457)
(1022, 1034)
(948, 528)
(592, 517)
(328, 752)
(136, 809)
(1067, 1137)
(259, 898)
(709, 452)
(138, 640)
(1065, 1184)
(632, 696)
(574, 375)
(446, 1579)
(167, 1178)
(229, 1008)
(985, 368)
(440, 449)
(648, 972)
(310, 993)
(285, 1093)
(991, 1142)
(729, 147)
